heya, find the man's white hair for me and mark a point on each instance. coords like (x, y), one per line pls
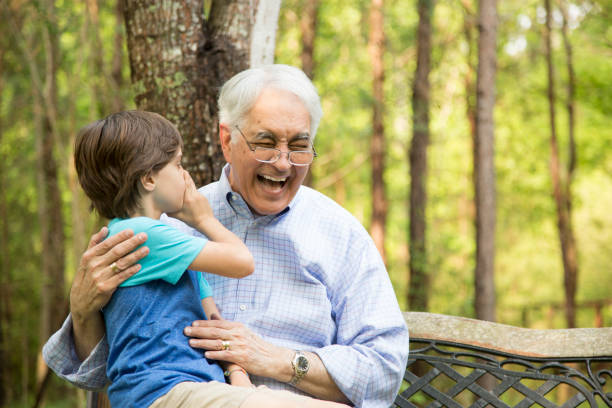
(239, 93)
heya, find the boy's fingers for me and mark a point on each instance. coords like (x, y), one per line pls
(189, 181)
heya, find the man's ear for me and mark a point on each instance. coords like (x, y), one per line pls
(148, 181)
(225, 137)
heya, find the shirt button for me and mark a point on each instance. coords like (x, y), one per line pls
(243, 307)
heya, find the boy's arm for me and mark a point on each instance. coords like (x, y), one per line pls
(210, 309)
(225, 254)
(236, 375)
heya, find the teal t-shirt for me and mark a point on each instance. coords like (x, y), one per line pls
(170, 252)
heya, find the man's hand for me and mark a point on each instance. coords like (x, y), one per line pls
(230, 341)
(97, 277)
(196, 207)
(103, 267)
(245, 348)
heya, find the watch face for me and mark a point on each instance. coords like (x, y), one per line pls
(302, 363)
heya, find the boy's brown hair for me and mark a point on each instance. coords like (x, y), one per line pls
(112, 154)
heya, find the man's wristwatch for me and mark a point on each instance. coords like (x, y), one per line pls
(300, 366)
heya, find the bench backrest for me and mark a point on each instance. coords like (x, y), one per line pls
(460, 362)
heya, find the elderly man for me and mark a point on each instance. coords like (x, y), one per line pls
(318, 316)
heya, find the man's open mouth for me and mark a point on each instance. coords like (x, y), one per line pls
(273, 182)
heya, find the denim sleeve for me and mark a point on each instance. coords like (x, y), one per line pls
(59, 352)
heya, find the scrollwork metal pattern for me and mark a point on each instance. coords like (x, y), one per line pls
(509, 370)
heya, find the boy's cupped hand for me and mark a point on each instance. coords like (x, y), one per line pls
(196, 208)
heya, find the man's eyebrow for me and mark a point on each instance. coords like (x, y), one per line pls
(269, 135)
(265, 135)
(301, 136)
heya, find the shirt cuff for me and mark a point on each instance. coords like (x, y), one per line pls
(350, 372)
(60, 355)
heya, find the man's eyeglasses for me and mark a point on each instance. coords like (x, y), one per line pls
(271, 154)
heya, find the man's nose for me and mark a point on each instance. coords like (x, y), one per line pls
(283, 161)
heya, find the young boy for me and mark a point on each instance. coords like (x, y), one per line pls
(129, 165)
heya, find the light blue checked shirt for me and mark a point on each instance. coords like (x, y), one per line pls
(319, 285)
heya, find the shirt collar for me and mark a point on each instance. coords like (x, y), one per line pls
(240, 207)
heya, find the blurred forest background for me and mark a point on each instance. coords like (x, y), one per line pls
(64, 63)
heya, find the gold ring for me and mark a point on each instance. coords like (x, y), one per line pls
(225, 344)
(114, 267)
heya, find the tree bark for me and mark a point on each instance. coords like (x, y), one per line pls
(484, 166)
(308, 27)
(78, 201)
(470, 89)
(571, 251)
(116, 77)
(98, 81)
(419, 280)
(53, 301)
(376, 47)
(4, 262)
(179, 61)
(469, 25)
(561, 193)
(263, 32)
(571, 103)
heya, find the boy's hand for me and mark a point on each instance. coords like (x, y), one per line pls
(236, 375)
(196, 208)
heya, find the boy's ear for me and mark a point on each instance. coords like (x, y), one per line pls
(148, 181)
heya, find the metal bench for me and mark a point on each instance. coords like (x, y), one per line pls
(459, 362)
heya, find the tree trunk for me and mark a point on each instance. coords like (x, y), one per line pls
(571, 251)
(470, 90)
(179, 61)
(418, 291)
(263, 31)
(571, 104)
(377, 143)
(469, 25)
(116, 78)
(4, 262)
(53, 304)
(308, 26)
(560, 194)
(102, 105)
(484, 166)
(78, 201)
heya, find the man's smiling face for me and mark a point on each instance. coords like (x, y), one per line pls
(278, 119)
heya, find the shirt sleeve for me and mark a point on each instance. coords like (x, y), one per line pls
(59, 352)
(369, 358)
(170, 253)
(205, 289)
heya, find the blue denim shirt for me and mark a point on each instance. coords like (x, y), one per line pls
(149, 354)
